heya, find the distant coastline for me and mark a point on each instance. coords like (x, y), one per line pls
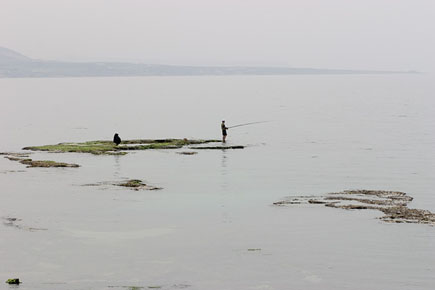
(16, 65)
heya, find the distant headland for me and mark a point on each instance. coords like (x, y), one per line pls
(16, 65)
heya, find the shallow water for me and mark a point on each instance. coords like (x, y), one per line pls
(213, 225)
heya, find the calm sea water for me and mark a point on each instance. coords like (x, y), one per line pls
(325, 134)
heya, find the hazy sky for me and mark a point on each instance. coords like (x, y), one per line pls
(359, 34)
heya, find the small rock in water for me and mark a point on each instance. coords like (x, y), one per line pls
(14, 281)
(137, 184)
(188, 153)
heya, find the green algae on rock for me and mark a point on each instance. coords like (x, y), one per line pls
(41, 163)
(13, 281)
(109, 148)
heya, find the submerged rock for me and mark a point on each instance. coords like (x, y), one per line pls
(128, 287)
(393, 204)
(187, 153)
(16, 223)
(217, 147)
(134, 184)
(11, 171)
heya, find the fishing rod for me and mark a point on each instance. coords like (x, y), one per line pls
(246, 124)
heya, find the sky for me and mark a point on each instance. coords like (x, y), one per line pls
(349, 34)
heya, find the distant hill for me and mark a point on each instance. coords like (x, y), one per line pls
(16, 65)
(9, 56)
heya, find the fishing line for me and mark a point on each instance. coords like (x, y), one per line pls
(246, 124)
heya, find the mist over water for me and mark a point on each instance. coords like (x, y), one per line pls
(325, 134)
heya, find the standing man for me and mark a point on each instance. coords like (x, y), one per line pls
(224, 131)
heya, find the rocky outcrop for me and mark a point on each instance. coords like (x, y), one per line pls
(394, 204)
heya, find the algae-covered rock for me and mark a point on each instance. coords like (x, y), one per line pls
(94, 147)
(110, 148)
(41, 163)
(47, 163)
(132, 183)
(13, 281)
(15, 154)
(136, 184)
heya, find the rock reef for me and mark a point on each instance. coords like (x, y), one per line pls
(394, 204)
(109, 148)
(40, 163)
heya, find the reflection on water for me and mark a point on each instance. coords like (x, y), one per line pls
(117, 166)
(224, 171)
(224, 186)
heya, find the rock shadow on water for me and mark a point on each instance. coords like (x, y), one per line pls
(394, 204)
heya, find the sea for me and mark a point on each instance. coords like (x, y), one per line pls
(213, 226)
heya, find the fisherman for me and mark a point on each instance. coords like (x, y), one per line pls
(224, 131)
(116, 139)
